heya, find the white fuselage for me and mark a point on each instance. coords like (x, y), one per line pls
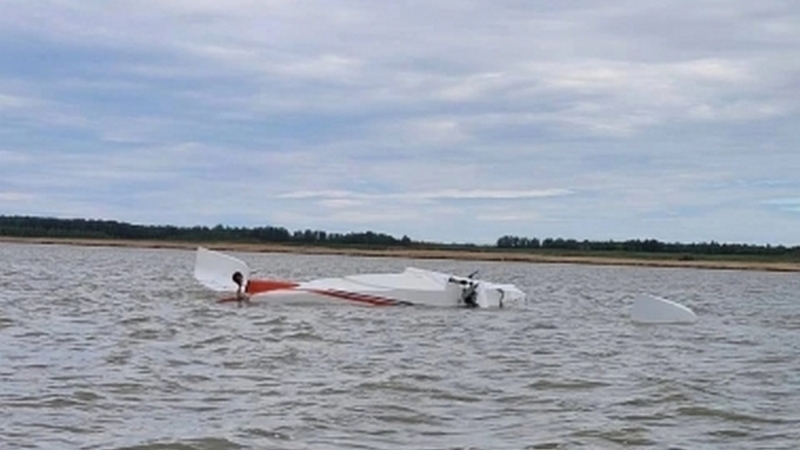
(411, 287)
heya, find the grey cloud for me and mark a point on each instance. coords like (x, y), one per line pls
(625, 110)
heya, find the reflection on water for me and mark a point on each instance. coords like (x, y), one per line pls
(120, 348)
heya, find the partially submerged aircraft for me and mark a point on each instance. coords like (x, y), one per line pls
(217, 271)
(224, 273)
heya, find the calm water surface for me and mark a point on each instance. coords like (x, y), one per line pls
(104, 348)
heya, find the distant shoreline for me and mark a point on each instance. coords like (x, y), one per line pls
(422, 253)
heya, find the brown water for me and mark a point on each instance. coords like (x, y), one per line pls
(105, 348)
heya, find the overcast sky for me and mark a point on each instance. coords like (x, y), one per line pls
(446, 120)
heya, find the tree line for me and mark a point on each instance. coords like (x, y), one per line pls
(45, 227)
(644, 246)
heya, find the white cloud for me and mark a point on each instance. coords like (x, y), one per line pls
(524, 217)
(791, 205)
(14, 101)
(14, 197)
(597, 117)
(340, 203)
(445, 194)
(9, 158)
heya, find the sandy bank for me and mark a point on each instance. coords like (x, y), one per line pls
(466, 255)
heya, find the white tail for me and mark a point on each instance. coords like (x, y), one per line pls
(215, 270)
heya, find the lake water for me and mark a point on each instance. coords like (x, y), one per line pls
(109, 348)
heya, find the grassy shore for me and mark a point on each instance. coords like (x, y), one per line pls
(476, 254)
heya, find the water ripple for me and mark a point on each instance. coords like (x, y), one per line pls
(104, 348)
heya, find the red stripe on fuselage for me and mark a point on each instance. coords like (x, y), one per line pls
(359, 298)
